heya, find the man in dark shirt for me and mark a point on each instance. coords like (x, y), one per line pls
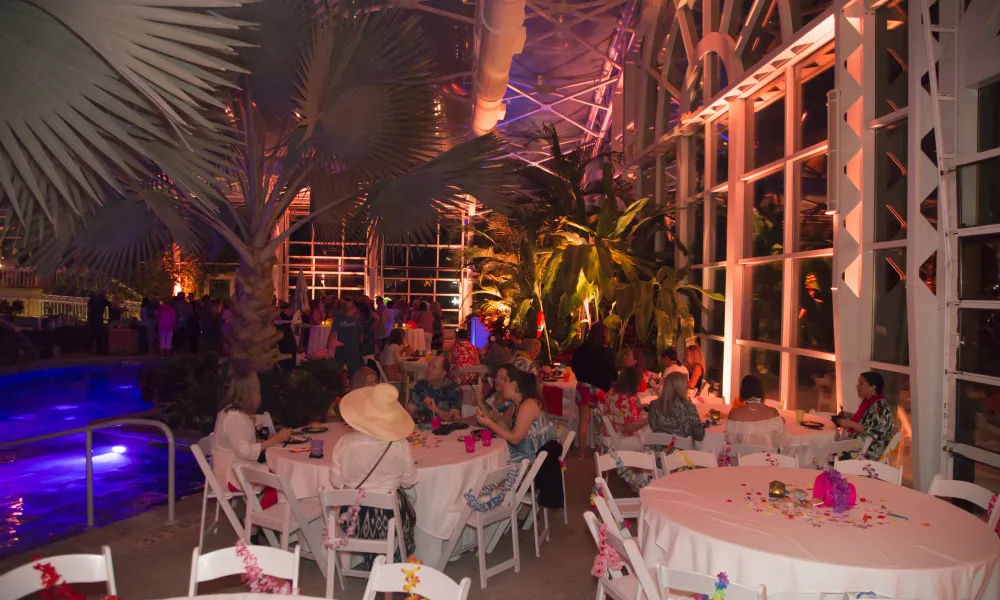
(347, 327)
(437, 395)
(96, 306)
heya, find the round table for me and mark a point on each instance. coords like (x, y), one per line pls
(445, 470)
(718, 520)
(416, 340)
(319, 335)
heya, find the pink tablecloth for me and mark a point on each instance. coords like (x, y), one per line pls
(713, 520)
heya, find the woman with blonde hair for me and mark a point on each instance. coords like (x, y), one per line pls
(235, 440)
(673, 413)
(694, 362)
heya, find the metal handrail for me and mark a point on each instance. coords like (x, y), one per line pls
(89, 431)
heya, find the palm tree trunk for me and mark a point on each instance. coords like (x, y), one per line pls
(253, 339)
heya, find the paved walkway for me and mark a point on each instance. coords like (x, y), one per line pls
(153, 560)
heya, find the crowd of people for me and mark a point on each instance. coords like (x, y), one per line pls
(176, 323)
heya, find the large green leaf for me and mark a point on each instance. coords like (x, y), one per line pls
(628, 216)
(643, 307)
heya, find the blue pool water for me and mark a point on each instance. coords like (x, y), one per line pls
(43, 484)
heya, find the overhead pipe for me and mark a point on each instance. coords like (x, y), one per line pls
(500, 25)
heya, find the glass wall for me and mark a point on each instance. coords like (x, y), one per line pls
(429, 271)
(329, 267)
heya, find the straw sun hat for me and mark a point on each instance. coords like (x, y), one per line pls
(376, 411)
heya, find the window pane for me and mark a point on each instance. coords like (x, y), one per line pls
(891, 56)
(890, 182)
(815, 385)
(965, 469)
(814, 119)
(765, 308)
(768, 214)
(890, 340)
(978, 190)
(979, 267)
(978, 415)
(721, 225)
(698, 147)
(721, 127)
(989, 117)
(446, 287)
(766, 366)
(815, 225)
(715, 312)
(714, 353)
(979, 331)
(815, 304)
(769, 125)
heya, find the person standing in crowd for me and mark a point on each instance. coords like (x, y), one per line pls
(209, 321)
(346, 334)
(147, 313)
(183, 310)
(286, 345)
(225, 324)
(166, 322)
(437, 339)
(594, 366)
(96, 306)
(384, 324)
(194, 326)
(425, 321)
(368, 323)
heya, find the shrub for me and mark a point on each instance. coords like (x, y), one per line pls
(15, 347)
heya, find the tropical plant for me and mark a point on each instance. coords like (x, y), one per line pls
(335, 98)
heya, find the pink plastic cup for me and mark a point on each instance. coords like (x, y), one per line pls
(487, 437)
(435, 422)
(470, 443)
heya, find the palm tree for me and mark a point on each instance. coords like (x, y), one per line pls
(334, 98)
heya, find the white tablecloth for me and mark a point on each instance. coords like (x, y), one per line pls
(319, 335)
(416, 340)
(445, 470)
(713, 520)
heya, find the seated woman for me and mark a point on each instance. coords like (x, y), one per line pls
(530, 429)
(635, 359)
(235, 440)
(621, 406)
(873, 419)
(526, 358)
(497, 407)
(392, 355)
(673, 413)
(464, 354)
(376, 457)
(755, 423)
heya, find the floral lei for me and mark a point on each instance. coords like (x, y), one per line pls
(52, 589)
(256, 581)
(634, 480)
(594, 493)
(494, 491)
(607, 557)
(720, 589)
(348, 521)
(411, 580)
(840, 490)
(725, 456)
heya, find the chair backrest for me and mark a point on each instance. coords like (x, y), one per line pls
(630, 555)
(822, 454)
(566, 443)
(529, 476)
(74, 568)
(970, 492)
(608, 509)
(273, 562)
(426, 582)
(688, 458)
(741, 449)
(264, 420)
(673, 581)
(649, 439)
(333, 500)
(768, 459)
(497, 475)
(221, 493)
(612, 440)
(629, 458)
(381, 371)
(868, 468)
(205, 444)
(891, 448)
(774, 404)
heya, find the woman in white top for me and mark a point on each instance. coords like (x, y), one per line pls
(755, 423)
(376, 457)
(235, 439)
(392, 356)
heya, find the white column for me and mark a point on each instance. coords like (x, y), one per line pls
(738, 230)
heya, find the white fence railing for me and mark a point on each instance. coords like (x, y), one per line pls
(38, 305)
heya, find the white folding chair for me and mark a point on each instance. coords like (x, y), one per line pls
(868, 468)
(826, 454)
(430, 583)
(74, 568)
(741, 449)
(562, 472)
(381, 372)
(527, 497)
(674, 582)
(768, 459)
(891, 449)
(505, 511)
(279, 517)
(607, 508)
(632, 460)
(970, 492)
(222, 495)
(264, 420)
(331, 501)
(649, 439)
(687, 458)
(612, 440)
(594, 525)
(637, 584)
(274, 562)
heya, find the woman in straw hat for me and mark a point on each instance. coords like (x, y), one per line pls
(376, 457)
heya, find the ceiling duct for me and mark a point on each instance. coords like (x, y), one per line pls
(501, 35)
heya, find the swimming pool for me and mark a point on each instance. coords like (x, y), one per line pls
(43, 484)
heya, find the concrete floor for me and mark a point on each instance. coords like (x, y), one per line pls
(153, 560)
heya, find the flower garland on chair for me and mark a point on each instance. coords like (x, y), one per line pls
(607, 557)
(725, 456)
(411, 580)
(348, 522)
(720, 589)
(256, 581)
(595, 493)
(633, 479)
(989, 511)
(52, 589)
(495, 492)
